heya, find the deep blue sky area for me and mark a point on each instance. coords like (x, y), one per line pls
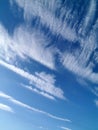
(48, 65)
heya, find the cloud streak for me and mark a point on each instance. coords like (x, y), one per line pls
(96, 102)
(26, 44)
(6, 108)
(90, 14)
(48, 87)
(21, 104)
(65, 128)
(30, 88)
(78, 60)
(82, 62)
(45, 10)
(33, 44)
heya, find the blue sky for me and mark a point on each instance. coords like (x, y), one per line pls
(49, 65)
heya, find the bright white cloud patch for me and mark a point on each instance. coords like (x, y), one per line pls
(21, 104)
(6, 108)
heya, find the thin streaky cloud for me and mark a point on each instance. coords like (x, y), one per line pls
(96, 102)
(15, 45)
(46, 77)
(37, 82)
(6, 108)
(21, 104)
(78, 62)
(47, 17)
(94, 90)
(71, 63)
(65, 128)
(90, 14)
(30, 88)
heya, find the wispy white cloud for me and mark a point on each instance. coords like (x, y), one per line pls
(94, 90)
(34, 44)
(96, 102)
(82, 81)
(5, 45)
(21, 104)
(30, 44)
(41, 84)
(45, 10)
(80, 62)
(65, 128)
(77, 61)
(26, 43)
(46, 77)
(90, 14)
(82, 59)
(30, 88)
(6, 108)
(41, 127)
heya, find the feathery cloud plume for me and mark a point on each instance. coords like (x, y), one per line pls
(21, 104)
(26, 44)
(41, 84)
(45, 10)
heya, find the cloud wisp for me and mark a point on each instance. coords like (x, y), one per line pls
(6, 108)
(65, 128)
(77, 61)
(34, 44)
(26, 44)
(30, 88)
(90, 14)
(46, 86)
(82, 62)
(21, 104)
(94, 90)
(46, 10)
(96, 102)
